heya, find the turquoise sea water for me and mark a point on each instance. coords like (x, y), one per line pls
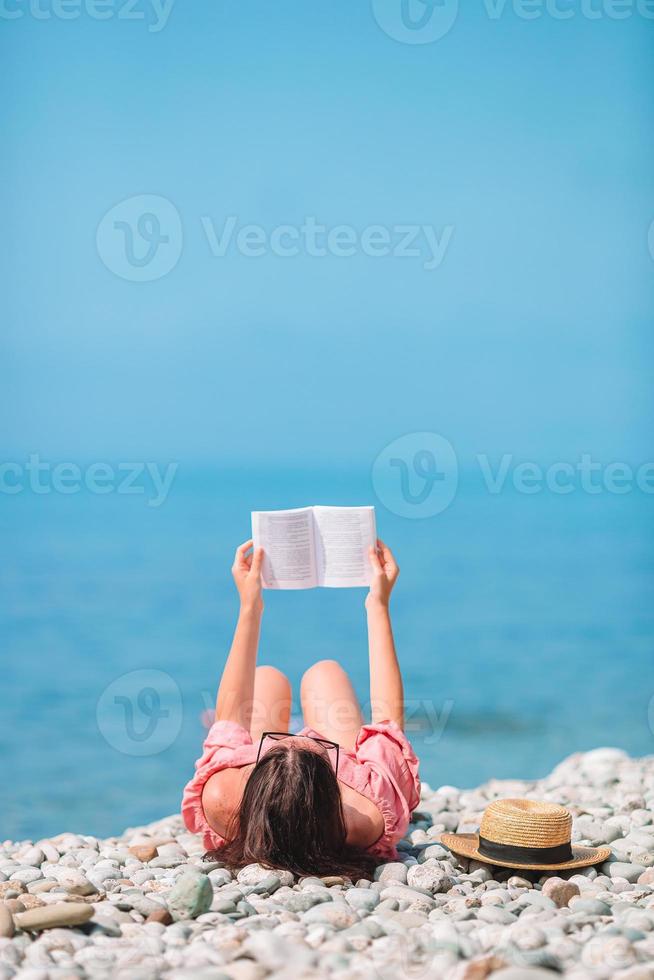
(524, 624)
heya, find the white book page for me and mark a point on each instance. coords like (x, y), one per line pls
(288, 541)
(343, 536)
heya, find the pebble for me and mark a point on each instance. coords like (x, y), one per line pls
(143, 852)
(27, 875)
(37, 887)
(527, 937)
(534, 898)
(644, 838)
(621, 869)
(393, 871)
(480, 872)
(433, 851)
(297, 901)
(388, 904)
(337, 916)
(191, 895)
(167, 861)
(133, 898)
(399, 922)
(515, 881)
(522, 973)
(410, 897)
(589, 906)
(560, 891)
(223, 905)
(29, 902)
(254, 874)
(52, 916)
(428, 876)
(14, 905)
(219, 876)
(493, 913)
(362, 898)
(266, 886)
(33, 856)
(7, 927)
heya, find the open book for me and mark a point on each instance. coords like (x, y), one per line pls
(313, 546)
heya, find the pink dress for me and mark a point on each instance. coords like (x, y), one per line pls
(383, 767)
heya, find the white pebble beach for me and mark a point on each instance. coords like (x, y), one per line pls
(145, 905)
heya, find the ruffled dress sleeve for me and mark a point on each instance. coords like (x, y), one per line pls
(392, 779)
(227, 745)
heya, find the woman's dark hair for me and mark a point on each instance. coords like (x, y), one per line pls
(291, 817)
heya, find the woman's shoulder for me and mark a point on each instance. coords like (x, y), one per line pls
(222, 794)
(364, 820)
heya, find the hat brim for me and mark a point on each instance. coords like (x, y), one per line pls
(467, 846)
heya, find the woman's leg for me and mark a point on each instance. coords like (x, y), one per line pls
(271, 706)
(329, 704)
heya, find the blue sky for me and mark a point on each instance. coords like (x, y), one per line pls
(531, 140)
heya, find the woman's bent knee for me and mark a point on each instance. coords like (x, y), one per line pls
(268, 673)
(320, 668)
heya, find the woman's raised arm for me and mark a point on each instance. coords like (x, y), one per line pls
(386, 690)
(236, 691)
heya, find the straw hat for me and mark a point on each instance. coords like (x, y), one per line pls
(525, 834)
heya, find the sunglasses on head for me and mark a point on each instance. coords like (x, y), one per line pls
(280, 736)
